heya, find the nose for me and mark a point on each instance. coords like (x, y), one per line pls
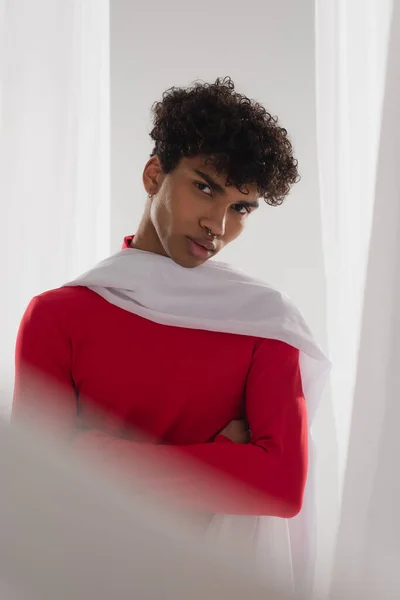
(216, 222)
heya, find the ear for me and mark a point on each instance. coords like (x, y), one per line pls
(153, 175)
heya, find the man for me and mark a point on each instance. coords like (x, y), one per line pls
(197, 357)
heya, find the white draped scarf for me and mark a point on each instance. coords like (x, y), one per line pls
(215, 297)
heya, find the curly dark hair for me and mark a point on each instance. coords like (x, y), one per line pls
(235, 134)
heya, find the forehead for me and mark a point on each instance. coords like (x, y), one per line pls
(202, 164)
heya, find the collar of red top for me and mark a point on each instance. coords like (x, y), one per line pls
(127, 242)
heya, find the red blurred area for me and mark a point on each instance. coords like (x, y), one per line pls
(170, 473)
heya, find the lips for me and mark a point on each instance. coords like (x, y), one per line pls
(210, 246)
(201, 248)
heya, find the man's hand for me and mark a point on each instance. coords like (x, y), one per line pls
(237, 431)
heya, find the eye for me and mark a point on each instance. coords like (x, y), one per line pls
(203, 187)
(241, 209)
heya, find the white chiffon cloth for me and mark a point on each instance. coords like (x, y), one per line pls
(216, 297)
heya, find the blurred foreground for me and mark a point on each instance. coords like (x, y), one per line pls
(67, 532)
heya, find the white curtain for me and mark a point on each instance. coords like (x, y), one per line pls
(369, 538)
(54, 151)
(358, 134)
(351, 48)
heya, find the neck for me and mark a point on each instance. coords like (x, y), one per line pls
(146, 237)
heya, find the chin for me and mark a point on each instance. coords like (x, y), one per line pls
(182, 257)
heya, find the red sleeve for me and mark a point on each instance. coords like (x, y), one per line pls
(265, 477)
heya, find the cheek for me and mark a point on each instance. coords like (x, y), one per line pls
(167, 211)
(159, 215)
(182, 207)
(234, 227)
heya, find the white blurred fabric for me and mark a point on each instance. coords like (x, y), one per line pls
(68, 532)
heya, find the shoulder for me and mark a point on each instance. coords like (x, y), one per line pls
(51, 321)
(252, 292)
(227, 272)
(263, 311)
(276, 350)
(60, 303)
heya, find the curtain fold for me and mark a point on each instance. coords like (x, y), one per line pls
(368, 550)
(351, 61)
(54, 151)
(351, 50)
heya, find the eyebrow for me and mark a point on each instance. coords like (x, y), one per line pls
(214, 185)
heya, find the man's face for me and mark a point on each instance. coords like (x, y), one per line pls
(191, 201)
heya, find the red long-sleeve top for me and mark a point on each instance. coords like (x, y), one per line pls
(115, 373)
